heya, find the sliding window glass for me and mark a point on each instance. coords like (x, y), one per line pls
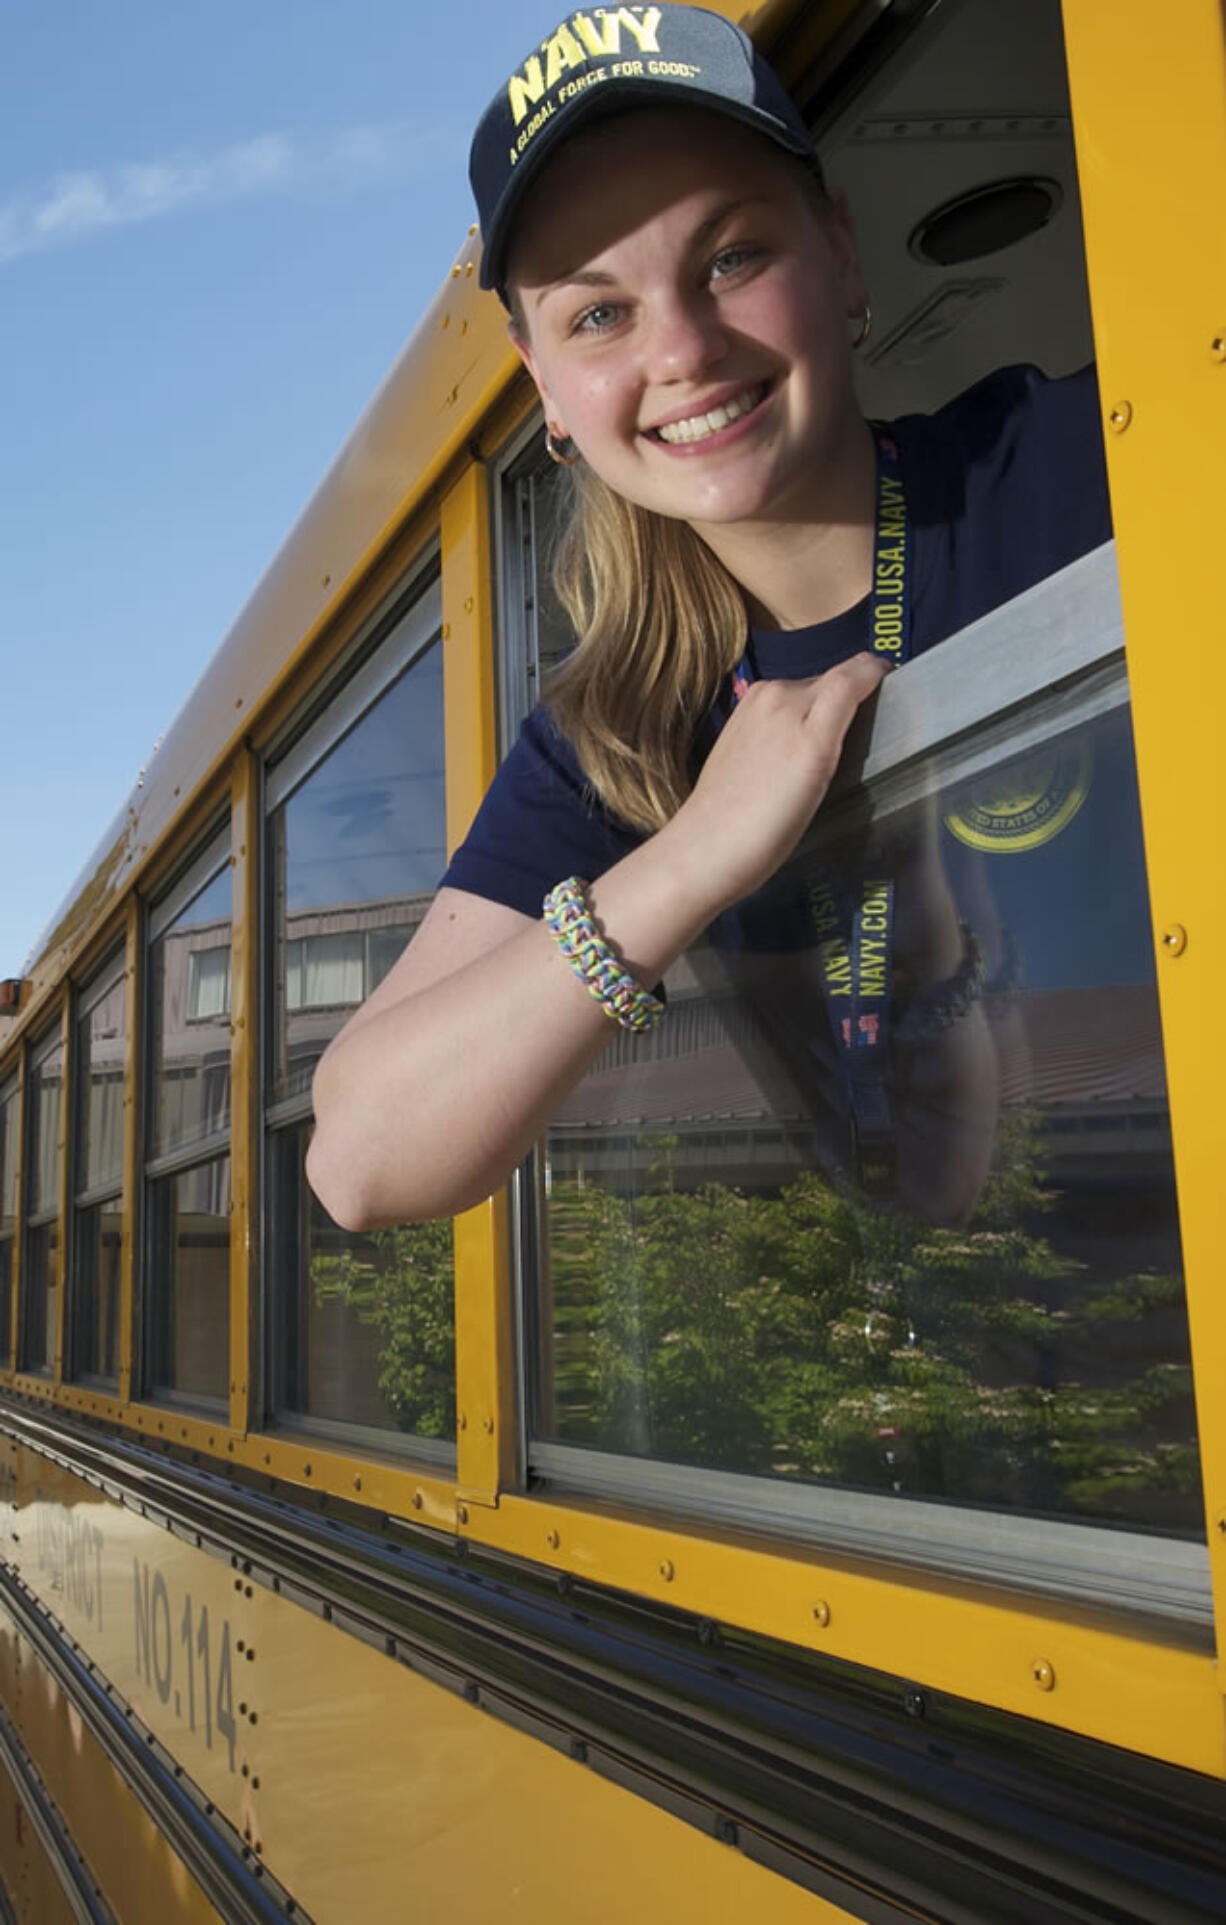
(43, 1267)
(98, 1175)
(363, 1326)
(9, 1116)
(187, 1167)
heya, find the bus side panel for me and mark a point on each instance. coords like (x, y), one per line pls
(365, 1789)
(27, 1874)
(141, 1877)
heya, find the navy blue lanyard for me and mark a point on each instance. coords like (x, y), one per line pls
(855, 939)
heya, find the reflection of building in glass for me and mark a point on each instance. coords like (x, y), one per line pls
(331, 962)
(193, 1071)
(1088, 1060)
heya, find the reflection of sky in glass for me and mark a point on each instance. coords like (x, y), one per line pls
(1078, 906)
(213, 904)
(368, 823)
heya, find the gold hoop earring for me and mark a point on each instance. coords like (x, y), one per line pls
(560, 448)
(866, 327)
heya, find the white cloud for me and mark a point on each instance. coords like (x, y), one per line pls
(74, 206)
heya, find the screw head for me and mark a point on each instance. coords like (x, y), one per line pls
(1120, 416)
(1217, 347)
(821, 1613)
(418, 1500)
(461, 1511)
(1043, 1674)
(553, 1539)
(667, 1569)
(1175, 939)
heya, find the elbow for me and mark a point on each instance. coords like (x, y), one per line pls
(338, 1185)
(359, 1196)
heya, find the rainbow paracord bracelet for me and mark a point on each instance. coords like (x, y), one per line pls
(569, 920)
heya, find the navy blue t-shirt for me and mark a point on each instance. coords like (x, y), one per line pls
(1004, 485)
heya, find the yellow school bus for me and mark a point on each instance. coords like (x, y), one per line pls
(669, 1537)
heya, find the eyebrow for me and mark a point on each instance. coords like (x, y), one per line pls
(596, 277)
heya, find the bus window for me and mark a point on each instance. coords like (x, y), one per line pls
(9, 1114)
(98, 1174)
(941, 1319)
(364, 1324)
(42, 1269)
(187, 1171)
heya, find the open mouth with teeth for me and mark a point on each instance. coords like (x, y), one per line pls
(700, 427)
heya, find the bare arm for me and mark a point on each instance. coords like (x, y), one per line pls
(439, 1085)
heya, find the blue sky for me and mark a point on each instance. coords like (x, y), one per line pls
(218, 226)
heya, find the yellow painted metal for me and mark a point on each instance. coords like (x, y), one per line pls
(486, 1440)
(361, 1785)
(244, 1084)
(30, 1880)
(141, 1878)
(67, 1098)
(485, 1400)
(1127, 1688)
(1149, 105)
(468, 648)
(134, 970)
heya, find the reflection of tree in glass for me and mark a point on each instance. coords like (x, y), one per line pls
(405, 1290)
(801, 1334)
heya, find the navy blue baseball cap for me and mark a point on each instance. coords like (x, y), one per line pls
(598, 61)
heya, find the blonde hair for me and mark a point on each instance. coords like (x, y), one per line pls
(660, 624)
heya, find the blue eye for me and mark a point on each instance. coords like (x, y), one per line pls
(730, 260)
(597, 319)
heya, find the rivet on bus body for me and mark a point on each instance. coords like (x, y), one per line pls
(1175, 939)
(1120, 416)
(1217, 347)
(821, 1613)
(418, 1500)
(553, 1539)
(357, 1483)
(488, 1426)
(461, 1511)
(469, 604)
(667, 1569)
(463, 1420)
(1043, 1675)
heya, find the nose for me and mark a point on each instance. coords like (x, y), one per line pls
(685, 337)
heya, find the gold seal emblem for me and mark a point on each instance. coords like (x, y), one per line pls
(1024, 805)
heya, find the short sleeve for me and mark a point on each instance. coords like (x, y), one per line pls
(539, 823)
(1009, 485)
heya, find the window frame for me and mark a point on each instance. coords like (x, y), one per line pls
(109, 975)
(1044, 661)
(57, 1035)
(212, 855)
(11, 1091)
(409, 623)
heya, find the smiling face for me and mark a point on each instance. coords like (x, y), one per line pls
(682, 305)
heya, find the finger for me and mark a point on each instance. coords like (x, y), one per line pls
(840, 691)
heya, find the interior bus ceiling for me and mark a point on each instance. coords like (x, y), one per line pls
(978, 95)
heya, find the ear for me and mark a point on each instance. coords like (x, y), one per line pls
(846, 253)
(523, 347)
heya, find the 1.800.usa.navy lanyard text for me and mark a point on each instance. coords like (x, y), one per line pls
(855, 952)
